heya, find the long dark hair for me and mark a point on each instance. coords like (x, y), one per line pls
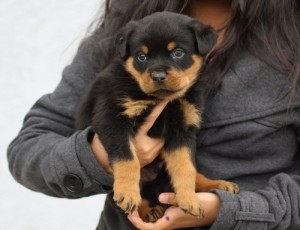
(259, 25)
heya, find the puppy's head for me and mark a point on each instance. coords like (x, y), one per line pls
(163, 52)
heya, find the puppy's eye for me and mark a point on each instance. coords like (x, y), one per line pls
(141, 57)
(177, 53)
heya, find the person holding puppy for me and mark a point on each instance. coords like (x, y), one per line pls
(251, 123)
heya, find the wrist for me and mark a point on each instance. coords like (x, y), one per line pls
(211, 204)
(100, 153)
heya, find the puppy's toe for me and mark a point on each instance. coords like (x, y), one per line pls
(228, 186)
(149, 214)
(190, 204)
(128, 202)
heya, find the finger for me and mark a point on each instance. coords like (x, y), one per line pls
(151, 118)
(161, 223)
(157, 141)
(154, 152)
(167, 198)
(158, 144)
(140, 224)
(135, 213)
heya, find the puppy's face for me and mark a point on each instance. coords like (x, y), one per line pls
(163, 52)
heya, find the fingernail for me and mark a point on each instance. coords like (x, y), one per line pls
(135, 213)
(163, 197)
(130, 217)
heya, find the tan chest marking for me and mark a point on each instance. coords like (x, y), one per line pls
(135, 108)
(192, 115)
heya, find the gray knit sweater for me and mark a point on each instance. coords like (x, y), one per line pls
(248, 137)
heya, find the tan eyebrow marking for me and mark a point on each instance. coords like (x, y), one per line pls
(171, 46)
(145, 49)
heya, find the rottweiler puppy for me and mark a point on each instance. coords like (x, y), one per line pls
(160, 57)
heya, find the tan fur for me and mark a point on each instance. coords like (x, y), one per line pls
(126, 182)
(183, 177)
(181, 169)
(203, 184)
(134, 108)
(145, 49)
(192, 115)
(171, 46)
(143, 79)
(184, 79)
(179, 81)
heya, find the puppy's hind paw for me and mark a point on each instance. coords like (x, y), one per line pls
(228, 186)
(149, 214)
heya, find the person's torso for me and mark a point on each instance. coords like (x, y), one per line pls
(248, 134)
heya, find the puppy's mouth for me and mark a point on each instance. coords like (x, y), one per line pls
(162, 93)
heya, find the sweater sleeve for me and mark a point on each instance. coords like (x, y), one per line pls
(276, 206)
(48, 155)
(273, 207)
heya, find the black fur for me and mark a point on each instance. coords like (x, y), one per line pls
(101, 108)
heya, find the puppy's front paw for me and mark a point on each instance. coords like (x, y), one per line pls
(128, 200)
(190, 204)
(126, 184)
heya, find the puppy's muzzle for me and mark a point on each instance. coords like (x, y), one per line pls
(159, 77)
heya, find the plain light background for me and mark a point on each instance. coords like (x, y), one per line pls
(38, 38)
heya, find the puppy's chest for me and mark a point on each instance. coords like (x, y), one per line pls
(178, 114)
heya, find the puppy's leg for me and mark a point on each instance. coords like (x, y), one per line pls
(203, 184)
(126, 182)
(151, 209)
(183, 176)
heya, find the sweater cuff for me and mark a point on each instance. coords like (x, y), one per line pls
(229, 207)
(247, 210)
(88, 161)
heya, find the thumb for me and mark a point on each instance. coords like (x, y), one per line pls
(167, 198)
(151, 118)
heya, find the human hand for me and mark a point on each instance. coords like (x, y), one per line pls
(147, 148)
(175, 218)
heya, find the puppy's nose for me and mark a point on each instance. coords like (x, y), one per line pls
(159, 77)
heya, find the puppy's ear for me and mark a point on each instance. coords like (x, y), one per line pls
(122, 39)
(206, 37)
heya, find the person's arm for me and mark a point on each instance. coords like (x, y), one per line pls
(48, 155)
(274, 207)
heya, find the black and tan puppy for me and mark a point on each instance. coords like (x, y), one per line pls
(161, 57)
